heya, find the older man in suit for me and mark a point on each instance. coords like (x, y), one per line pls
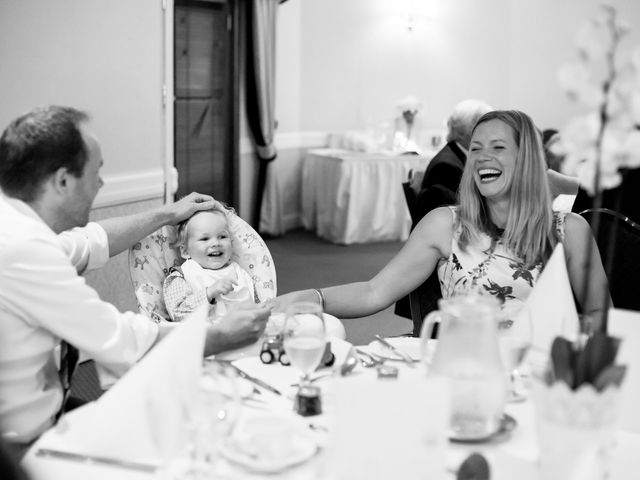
(439, 186)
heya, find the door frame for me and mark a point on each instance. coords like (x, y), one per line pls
(168, 99)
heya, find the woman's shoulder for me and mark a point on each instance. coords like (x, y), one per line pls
(439, 218)
(573, 221)
(435, 230)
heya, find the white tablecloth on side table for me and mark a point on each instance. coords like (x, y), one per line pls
(355, 197)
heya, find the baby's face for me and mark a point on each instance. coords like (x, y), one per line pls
(208, 240)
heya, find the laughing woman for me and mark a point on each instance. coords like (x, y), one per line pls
(495, 241)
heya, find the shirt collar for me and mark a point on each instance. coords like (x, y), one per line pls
(22, 207)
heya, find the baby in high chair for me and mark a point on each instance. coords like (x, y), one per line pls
(208, 273)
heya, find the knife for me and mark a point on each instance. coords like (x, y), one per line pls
(254, 380)
(406, 358)
(95, 459)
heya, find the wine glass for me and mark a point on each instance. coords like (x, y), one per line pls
(209, 421)
(304, 336)
(514, 338)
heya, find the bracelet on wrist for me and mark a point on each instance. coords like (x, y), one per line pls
(320, 297)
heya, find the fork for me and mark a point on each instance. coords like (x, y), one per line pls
(370, 359)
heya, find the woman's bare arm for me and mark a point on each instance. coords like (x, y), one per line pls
(586, 273)
(418, 258)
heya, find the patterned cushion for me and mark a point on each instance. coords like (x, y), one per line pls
(151, 259)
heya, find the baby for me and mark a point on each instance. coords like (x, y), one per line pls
(208, 273)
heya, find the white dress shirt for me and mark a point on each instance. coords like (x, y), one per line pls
(43, 300)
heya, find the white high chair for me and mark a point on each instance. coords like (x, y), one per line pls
(151, 259)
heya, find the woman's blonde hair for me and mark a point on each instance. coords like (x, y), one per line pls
(529, 232)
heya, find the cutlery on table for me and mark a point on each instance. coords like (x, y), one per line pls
(369, 359)
(256, 381)
(403, 355)
(345, 368)
(95, 459)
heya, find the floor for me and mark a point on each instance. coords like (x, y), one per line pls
(303, 261)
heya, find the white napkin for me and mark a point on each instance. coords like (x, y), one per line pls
(385, 428)
(142, 416)
(551, 307)
(625, 324)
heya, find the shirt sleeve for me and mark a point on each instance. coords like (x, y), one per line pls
(87, 247)
(40, 286)
(179, 297)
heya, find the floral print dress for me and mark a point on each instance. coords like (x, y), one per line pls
(487, 267)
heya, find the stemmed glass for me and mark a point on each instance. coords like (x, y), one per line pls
(514, 338)
(304, 336)
(209, 420)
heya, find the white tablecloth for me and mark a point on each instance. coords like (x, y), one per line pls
(355, 197)
(513, 458)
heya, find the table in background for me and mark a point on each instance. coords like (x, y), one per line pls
(356, 197)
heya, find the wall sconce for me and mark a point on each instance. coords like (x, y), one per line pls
(419, 13)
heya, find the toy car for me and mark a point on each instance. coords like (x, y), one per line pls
(273, 349)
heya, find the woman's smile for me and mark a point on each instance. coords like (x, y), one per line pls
(488, 175)
(493, 153)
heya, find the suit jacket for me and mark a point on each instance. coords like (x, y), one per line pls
(441, 181)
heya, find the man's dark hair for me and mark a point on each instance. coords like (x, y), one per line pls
(38, 143)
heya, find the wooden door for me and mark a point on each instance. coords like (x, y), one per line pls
(206, 98)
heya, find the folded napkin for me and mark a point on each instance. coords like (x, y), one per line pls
(384, 428)
(142, 417)
(551, 307)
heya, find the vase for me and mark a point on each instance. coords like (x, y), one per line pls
(576, 430)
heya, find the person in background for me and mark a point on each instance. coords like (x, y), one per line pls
(496, 241)
(438, 186)
(560, 183)
(208, 273)
(49, 176)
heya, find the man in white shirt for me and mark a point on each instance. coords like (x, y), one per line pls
(49, 177)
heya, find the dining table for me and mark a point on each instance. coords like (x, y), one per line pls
(512, 455)
(357, 197)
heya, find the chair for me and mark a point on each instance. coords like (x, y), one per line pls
(423, 299)
(151, 259)
(621, 258)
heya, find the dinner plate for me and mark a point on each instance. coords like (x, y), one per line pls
(507, 425)
(268, 444)
(409, 345)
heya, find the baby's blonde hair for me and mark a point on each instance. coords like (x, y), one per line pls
(218, 207)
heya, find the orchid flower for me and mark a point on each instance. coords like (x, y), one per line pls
(607, 82)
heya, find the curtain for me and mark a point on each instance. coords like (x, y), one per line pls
(261, 46)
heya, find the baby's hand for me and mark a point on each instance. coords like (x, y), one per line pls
(220, 288)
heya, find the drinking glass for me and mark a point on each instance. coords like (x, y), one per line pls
(304, 336)
(514, 339)
(209, 420)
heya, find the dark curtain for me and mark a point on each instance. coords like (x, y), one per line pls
(261, 34)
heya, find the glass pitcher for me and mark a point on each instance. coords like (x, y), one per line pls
(467, 354)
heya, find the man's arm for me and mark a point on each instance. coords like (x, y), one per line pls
(234, 330)
(124, 232)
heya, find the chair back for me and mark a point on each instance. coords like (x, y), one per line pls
(618, 240)
(151, 259)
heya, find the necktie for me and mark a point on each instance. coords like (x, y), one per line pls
(68, 362)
